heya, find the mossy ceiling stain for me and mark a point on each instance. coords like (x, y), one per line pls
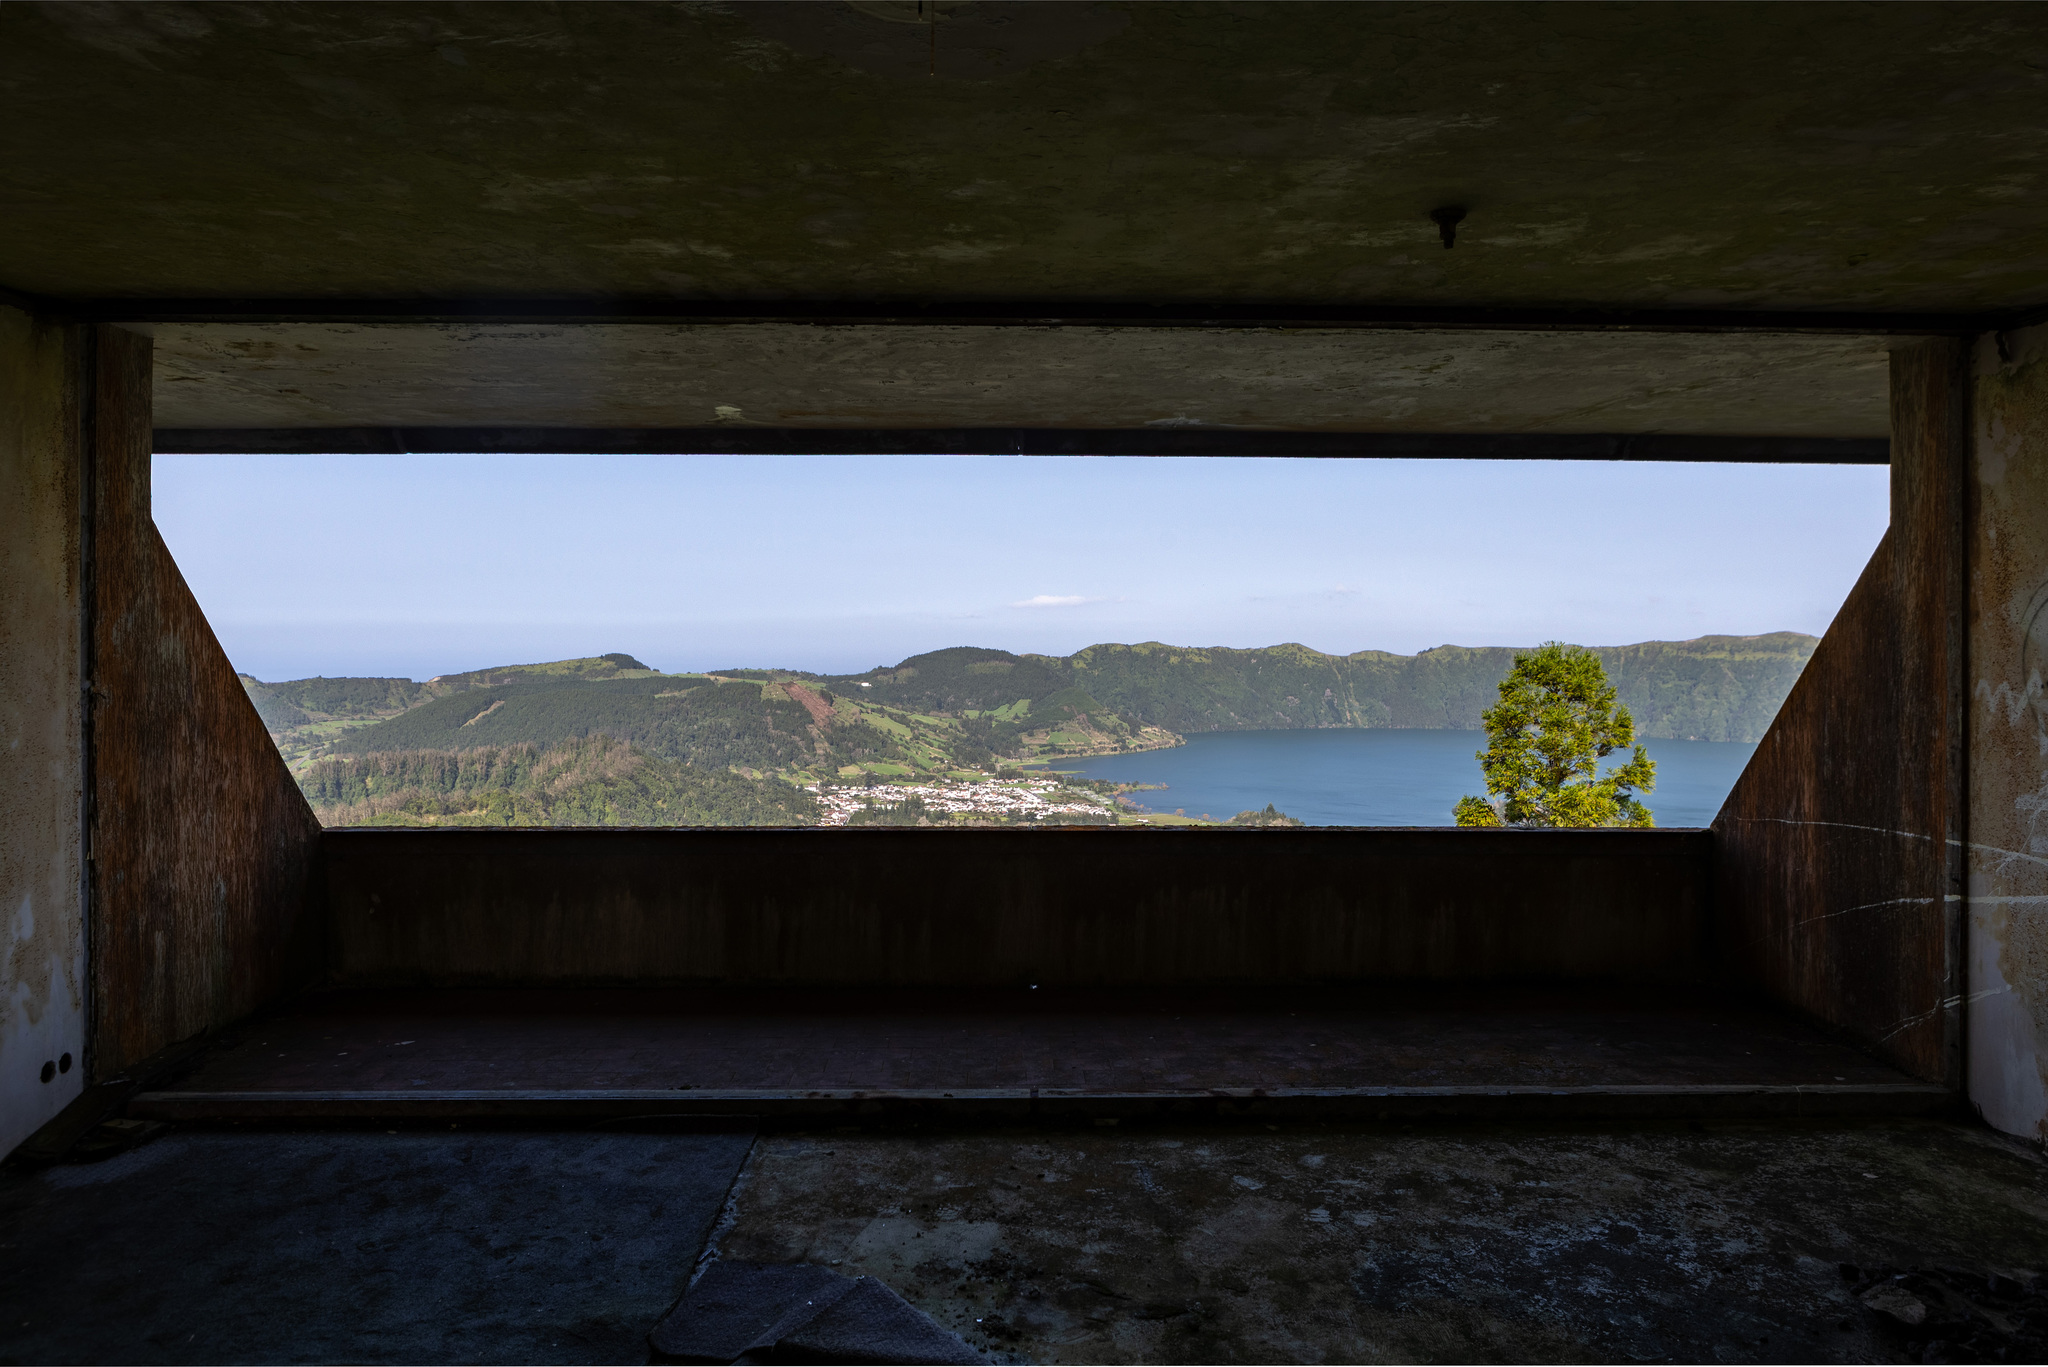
(1776, 155)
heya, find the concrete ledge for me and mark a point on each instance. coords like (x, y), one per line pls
(991, 907)
(1364, 1103)
(1025, 441)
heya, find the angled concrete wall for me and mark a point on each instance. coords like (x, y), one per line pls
(2007, 985)
(203, 905)
(1839, 875)
(156, 858)
(42, 759)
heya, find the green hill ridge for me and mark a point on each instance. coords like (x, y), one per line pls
(1724, 688)
(607, 740)
(593, 781)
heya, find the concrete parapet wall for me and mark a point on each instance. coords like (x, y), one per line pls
(1065, 907)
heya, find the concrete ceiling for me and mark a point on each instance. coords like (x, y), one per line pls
(1078, 160)
(232, 375)
(1748, 156)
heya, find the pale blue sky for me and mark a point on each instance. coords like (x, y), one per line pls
(423, 565)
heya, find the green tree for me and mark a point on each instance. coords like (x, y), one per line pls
(1555, 721)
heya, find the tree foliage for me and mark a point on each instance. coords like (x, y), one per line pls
(1556, 720)
(1272, 816)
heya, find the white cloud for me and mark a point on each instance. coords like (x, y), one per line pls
(1055, 600)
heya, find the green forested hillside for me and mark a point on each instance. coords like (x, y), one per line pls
(591, 669)
(346, 697)
(277, 713)
(608, 741)
(594, 781)
(316, 712)
(961, 679)
(1712, 688)
(764, 727)
(965, 707)
(307, 716)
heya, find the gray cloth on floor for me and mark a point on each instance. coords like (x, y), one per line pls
(801, 1310)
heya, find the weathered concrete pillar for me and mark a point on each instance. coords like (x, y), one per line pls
(43, 1006)
(2007, 982)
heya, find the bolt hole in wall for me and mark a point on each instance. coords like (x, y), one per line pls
(936, 641)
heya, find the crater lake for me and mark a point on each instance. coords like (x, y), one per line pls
(1377, 777)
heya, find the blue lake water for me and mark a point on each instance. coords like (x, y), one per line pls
(1379, 777)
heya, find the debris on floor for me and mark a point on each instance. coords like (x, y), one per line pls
(1397, 1243)
(116, 1136)
(1951, 1315)
(738, 1309)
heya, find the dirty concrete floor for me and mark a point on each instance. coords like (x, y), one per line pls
(1132, 1041)
(1720, 1243)
(1309, 1243)
(421, 1246)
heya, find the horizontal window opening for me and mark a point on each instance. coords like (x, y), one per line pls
(940, 642)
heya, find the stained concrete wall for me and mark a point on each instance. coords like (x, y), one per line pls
(204, 849)
(804, 375)
(960, 908)
(2008, 731)
(1838, 873)
(42, 769)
